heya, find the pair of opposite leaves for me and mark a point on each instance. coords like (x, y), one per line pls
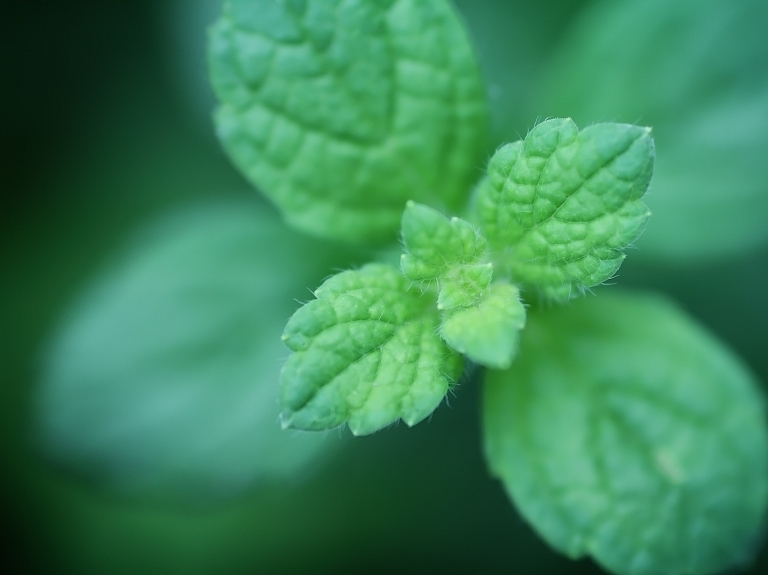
(378, 345)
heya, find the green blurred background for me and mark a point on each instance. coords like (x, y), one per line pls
(105, 127)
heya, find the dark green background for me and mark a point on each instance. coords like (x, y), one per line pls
(104, 125)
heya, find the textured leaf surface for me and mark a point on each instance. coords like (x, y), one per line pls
(488, 332)
(625, 432)
(695, 71)
(366, 353)
(560, 206)
(463, 286)
(447, 251)
(163, 381)
(341, 110)
(434, 243)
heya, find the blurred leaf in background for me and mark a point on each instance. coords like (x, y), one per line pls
(163, 378)
(513, 42)
(697, 71)
(655, 422)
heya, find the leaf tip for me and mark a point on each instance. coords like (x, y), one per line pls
(286, 419)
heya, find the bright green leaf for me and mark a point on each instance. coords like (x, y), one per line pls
(163, 381)
(695, 70)
(463, 286)
(560, 206)
(434, 243)
(625, 432)
(487, 333)
(341, 110)
(447, 251)
(366, 353)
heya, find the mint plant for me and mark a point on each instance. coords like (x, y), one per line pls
(619, 429)
(558, 208)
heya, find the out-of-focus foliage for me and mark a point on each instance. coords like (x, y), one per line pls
(163, 379)
(340, 112)
(626, 432)
(697, 72)
(513, 41)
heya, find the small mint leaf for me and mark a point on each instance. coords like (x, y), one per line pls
(462, 286)
(560, 206)
(341, 111)
(366, 353)
(488, 332)
(709, 187)
(434, 243)
(625, 432)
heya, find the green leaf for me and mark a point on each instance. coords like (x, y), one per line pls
(447, 251)
(487, 333)
(341, 111)
(560, 206)
(367, 353)
(434, 243)
(626, 432)
(463, 286)
(479, 320)
(695, 71)
(163, 380)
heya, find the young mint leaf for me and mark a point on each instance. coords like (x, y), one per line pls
(434, 243)
(462, 286)
(695, 71)
(479, 320)
(367, 353)
(163, 381)
(341, 111)
(626, 432)
(487, 333)
(446, 251)
(560, 206)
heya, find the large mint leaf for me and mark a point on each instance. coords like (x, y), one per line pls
(626, 432)
(163, 380)
(560, 206)
(366, 353)
(695, 71)
(341, 110)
